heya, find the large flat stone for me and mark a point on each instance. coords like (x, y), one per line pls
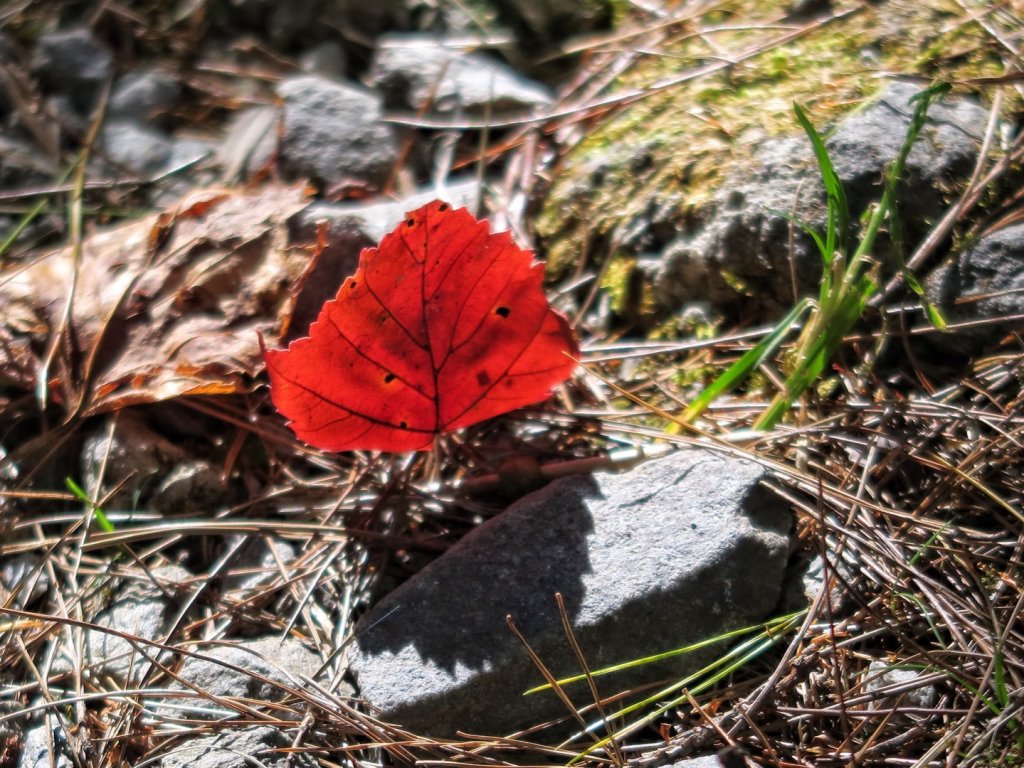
(674, 551)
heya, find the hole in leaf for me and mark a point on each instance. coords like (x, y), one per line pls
(360, 417)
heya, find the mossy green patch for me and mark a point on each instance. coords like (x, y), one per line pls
(616, 283)
(669, 150)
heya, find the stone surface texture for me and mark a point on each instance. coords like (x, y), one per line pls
(674, 551)
(21, 165)
(881, 675)
(72, 63)
(705, 761)
(140, 609)
(350, 228)
(123, 465)
(419, 71)
(192, 486)
(266, 657)
(245, 748)
(740, 238)
(136, 148)
(143, 94)
(984, 282)
(940, 160)
(36, 749)
(23, 579)
(333, 132)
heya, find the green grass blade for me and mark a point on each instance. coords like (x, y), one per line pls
(826, 255)
(30, 215)
(820, 350)
(927, 545)
(838, 208)
(895, 170)
(932, 312)
(999, 678)
(738, 371)
(769, 626)
(712, 674)
(101, 517)
(935, 316)
(847, 281)
(22, 225)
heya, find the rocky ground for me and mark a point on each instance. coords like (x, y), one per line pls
(184, 583)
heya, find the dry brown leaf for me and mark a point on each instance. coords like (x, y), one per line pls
(169, 305)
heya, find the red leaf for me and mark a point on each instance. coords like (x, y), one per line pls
(443, 325)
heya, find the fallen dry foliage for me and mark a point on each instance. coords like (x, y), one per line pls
(907, 483)
(167, 306)
(913, 503)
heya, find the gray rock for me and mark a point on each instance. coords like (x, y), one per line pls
(131, 459)
(74, 64)
(257, 565)
(71, 119)
(191, 150)
(940, 160)
(266, 657)
(136, 148)
(22, 580)
(373, 220)
(705, 761)
(352, 227)
(22, 164)
(36, 752)
(263, 746)
(334, 132)
(678, 549)
(107, 655)
(190, 487)
(193, 164)
(739, 254)
(806, 581)
(416, 71)
(984, 282)
(326, 60)
(141, 608)
(143, 95)
(881, 675)
(148, 471)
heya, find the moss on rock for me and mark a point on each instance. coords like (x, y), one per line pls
(644, 174)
